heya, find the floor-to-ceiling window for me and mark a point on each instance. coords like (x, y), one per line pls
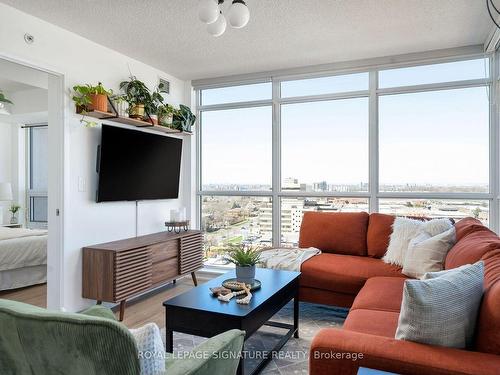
(37, 176)
(410, 140)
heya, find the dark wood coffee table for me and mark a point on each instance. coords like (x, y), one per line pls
(197, 312)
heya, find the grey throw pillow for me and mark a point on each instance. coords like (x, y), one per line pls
(442, 310)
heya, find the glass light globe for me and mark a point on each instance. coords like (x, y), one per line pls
(218, 27)
(238, 15)
(208, 11)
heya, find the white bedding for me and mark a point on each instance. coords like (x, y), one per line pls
(20, 249)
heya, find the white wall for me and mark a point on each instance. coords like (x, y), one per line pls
(82, 61)
(29, 101)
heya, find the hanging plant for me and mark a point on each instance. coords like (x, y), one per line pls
(3, 99)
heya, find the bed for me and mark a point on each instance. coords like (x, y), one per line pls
(23, 257)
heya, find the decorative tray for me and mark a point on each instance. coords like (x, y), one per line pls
(254, 286)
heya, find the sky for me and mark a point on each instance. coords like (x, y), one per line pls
(438, 137)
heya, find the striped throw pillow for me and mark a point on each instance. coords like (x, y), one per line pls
(442, 309)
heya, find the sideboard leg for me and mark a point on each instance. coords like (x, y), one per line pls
(174, 281)
(122, 309)
(195, 282)
(99, 302)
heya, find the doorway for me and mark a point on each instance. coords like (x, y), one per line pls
(31, 178)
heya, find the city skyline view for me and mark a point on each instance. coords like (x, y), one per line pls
(428, 141)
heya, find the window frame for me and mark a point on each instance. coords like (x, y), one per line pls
(373, 93)
(30, 192)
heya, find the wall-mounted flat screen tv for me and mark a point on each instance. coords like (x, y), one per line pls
(135, 165)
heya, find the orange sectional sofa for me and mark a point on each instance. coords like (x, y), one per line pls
(350, 273)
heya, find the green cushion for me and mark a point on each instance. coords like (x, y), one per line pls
(37, 341)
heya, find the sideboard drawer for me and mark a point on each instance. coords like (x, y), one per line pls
(164, 270)
(165, 250)
(132, 272)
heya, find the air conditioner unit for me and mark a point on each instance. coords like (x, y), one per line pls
(166, 85)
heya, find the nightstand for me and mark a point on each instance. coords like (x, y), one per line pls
(12, 225)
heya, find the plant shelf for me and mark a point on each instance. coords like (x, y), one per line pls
(134, 122)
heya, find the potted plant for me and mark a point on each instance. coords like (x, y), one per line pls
(137, 95)
(184, 119)
(245, 261)
(120, 104)
(165, 115)
(91, 98)
(14, 209)
(156, 101)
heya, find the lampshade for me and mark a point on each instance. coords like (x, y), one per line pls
(5, 191)
(3, 109)
(218, 27)
(239, 14)
(208, 11)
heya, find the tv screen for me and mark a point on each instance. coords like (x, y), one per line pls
(135, 165)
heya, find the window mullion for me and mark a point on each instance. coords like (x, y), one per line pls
(373, 153)
(276, 160)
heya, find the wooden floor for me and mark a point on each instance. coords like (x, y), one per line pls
(137, 314)
(34, 295)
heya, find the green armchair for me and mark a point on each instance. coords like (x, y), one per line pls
(37, 341)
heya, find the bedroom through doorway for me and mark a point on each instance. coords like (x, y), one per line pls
(24, 183)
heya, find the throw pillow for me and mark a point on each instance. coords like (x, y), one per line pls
(403, 231)
(436, 226)
(427, 253)
(151, 352)
(442, 310)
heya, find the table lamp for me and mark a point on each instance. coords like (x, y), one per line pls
(5, 195)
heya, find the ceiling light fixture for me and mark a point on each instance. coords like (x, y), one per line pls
(210, 12)
(489, 5)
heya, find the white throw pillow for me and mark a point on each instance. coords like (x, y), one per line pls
(436, 226)
(427, 253)
(403, 231)
(151, 352)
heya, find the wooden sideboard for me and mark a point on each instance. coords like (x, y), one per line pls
(116, 271)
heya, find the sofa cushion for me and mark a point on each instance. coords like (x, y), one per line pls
(470, 248)
(379, 231)
(380, 293)
(467, 226)
(491, 268)
(372, 322)
(343, 273)
(488, 324)
(338, 232)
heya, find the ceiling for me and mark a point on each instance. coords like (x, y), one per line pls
(10, 86)
(281, 33)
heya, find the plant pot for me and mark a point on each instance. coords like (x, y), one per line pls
(166, 120)
(136, 111)
(154, 118)
(98, 102)
(13, 219)
(121, 107)
(245, 274)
